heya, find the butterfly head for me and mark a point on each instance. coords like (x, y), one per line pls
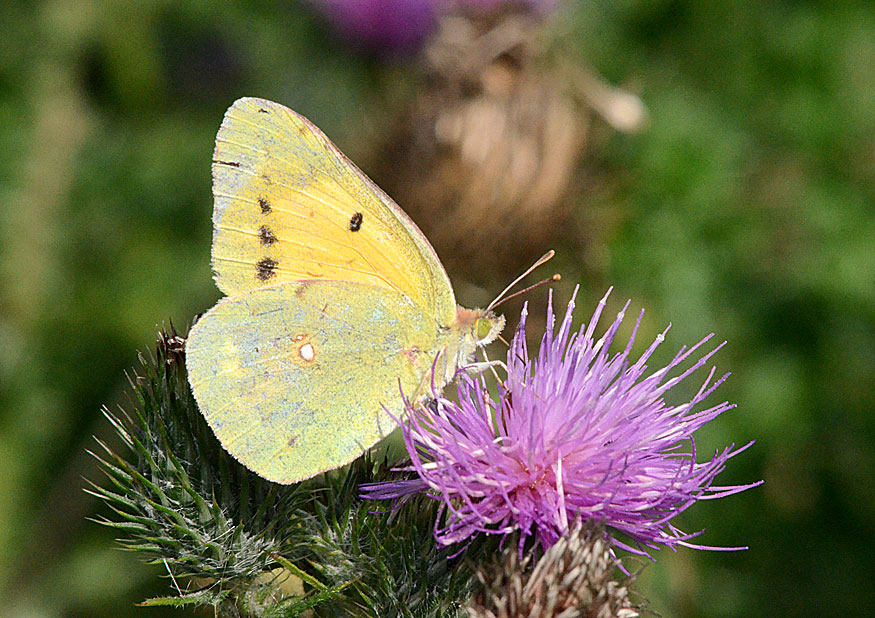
(480, 325)
(487, 328)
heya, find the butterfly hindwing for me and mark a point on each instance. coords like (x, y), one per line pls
(293, 378)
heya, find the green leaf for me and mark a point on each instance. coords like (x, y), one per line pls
(202, 597)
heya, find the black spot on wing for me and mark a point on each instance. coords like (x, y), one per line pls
(228, 163)
(355, 222)
(266, 268)
(263, 111)
(264, 204)
(266, 236)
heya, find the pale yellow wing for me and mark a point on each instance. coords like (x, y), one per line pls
(301, 377)
(290, 206)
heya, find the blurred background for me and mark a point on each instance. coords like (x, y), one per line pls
(715, 162)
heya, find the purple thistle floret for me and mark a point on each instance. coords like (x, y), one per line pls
(576, 433)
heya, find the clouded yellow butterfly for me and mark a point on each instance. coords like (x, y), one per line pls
(336, 302)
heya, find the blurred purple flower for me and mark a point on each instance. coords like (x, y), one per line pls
(390, 26)
(538, 7)
(381, 25)
(575, 434)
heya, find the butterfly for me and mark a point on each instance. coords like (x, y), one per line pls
(335, 305)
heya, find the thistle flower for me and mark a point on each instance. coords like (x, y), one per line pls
(387, 26)
(390, 26)
(575, 434)
(535, 6)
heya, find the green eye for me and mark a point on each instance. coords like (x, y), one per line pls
(482, 328)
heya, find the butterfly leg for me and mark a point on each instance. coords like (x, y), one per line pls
(481, 366)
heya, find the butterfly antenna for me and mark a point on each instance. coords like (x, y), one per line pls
(542, 260)
(552, 279)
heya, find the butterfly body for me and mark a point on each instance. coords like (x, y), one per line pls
(336, 302)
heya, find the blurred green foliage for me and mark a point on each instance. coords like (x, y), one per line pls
(746, 208)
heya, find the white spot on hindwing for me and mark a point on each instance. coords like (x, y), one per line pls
(306, 352)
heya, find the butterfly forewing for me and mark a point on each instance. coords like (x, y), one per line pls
(289, 206)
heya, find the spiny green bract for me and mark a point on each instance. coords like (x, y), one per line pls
(253, 548)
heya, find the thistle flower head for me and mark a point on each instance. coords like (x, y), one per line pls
(390, 26)
(484, 6)
(573, 579)
(576, 433)
(386, 26)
